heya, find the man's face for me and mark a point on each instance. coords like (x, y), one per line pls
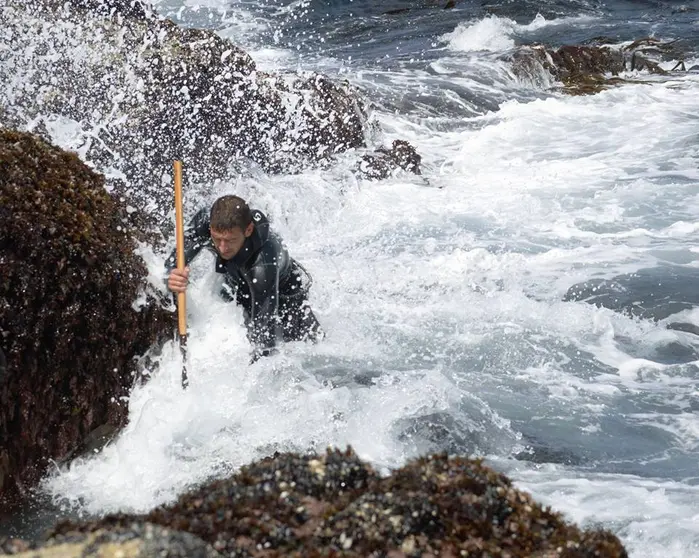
(228, 243)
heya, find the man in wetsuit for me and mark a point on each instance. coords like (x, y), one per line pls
(258, 273)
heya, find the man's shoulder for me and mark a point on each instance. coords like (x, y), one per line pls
(271, 243)
(258, 217)
(262, 225)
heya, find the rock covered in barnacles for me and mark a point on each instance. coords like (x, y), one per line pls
(69, 328)
(334, 113)
(384, 162)
(272, 504)
(451, 506)
(151, 91)
(132, 540)
(335, 505)
(124, 8)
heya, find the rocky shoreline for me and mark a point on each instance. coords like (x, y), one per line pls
(77, 312)
(335, 504)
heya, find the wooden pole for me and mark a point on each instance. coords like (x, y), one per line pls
(181, 297)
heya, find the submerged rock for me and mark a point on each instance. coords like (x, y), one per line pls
(429, 4)
(591, 68)
(69, 324)
(652, 293)
(336, 505)
(664, 294)
(385, 162)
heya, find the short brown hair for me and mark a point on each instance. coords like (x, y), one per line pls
(230, 212)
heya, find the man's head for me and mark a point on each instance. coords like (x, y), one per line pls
(230, 224)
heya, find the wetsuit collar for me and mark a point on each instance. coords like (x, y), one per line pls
(252, 245)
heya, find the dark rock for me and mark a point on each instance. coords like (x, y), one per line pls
(334, 505)
(396, 11)
(451, 506)
(68, 325)
(334, 112)
(385, 161)
(581, 68)
(93, 442)
(13, 546)
(126, 8)
(441, 431)
(539, 451)
(586, 68)
(429, 4)
(152, 92)
(270, 503)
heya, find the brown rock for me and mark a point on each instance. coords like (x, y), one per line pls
(334, 505)
(587, 68)
(68, 327)
(174, 93)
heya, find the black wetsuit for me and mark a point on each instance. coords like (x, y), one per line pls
(271, 287)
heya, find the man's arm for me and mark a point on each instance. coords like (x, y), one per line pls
(196, 237)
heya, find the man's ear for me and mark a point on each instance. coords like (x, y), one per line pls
(248, 230)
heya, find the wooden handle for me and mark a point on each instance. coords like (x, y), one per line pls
(179, 234)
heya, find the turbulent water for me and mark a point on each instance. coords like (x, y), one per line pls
(443, 295)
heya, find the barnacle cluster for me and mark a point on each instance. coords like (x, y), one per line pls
(68, 328)
(333, 505)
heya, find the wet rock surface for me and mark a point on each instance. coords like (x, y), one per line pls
(336, 505)
(384, 162)
(69, 324)
(593, 67)
(124, 8)
(150, 91)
